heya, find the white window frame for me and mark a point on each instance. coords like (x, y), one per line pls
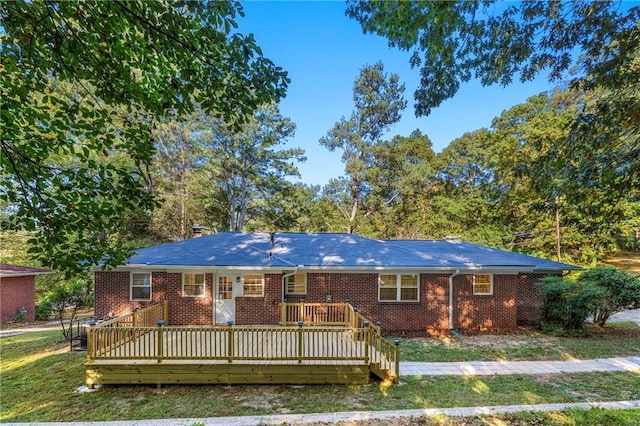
(244, 284)
(131, 286)
(399, 287)
(490, 293)
(287, 285)
(204, 284)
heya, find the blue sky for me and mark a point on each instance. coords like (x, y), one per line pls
(323, 51)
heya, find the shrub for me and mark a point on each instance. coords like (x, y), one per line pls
(66, 297)
(620, 291)
(566, 304)
(43, 311)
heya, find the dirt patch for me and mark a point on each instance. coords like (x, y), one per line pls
(519, 337)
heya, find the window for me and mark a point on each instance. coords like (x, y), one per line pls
(225, 288)
(398, 287)
(253, 285)
(193, 285)
(297, 284)
(483, 284)
(141, 286)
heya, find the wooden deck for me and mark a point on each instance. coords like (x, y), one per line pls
(339, 354)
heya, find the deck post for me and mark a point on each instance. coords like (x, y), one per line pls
(397, 360)
(90, 338)
(230, 341)
(283, 314)
(300, 323)
(346, 314)
(367, 340)
(165, 312)
(354, 319)
(159, 337)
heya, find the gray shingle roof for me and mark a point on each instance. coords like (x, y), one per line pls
(326, 250)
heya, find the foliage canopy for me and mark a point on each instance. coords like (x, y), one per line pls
(452, 42)
(83, 86)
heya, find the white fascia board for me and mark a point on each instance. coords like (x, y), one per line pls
(23, 274)
(191, 268)
(498, 270)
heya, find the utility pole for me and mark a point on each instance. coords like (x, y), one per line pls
(558, 229)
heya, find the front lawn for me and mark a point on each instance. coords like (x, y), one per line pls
(39, 378)
(614, 340)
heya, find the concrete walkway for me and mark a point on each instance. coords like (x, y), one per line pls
(353, 416)
(490, 368)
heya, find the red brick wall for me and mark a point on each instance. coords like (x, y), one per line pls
(15, 293)
(261, 310)
(112, 292)
(485, 312)
(429, 314)
(529, 299)
(502, 310)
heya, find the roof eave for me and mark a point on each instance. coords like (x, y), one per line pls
(24, 274)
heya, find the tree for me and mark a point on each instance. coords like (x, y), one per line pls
(86, 81)
(620, 291)
(452, 42)
(402, 170)
(537, 181)
(379, 103)
(246, 166)
(65, 299)
(179, 178)
(455, 41)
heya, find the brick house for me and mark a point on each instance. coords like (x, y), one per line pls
(18, 291)
(408, 285)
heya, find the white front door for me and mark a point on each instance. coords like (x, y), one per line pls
(225, 300)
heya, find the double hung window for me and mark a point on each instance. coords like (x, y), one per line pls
(483, 284)
(296, 284)
(253, 285)
(140, 286)
(398, 287)
(193, 285)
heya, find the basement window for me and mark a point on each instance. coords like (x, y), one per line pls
(140, 286)
(483, 284)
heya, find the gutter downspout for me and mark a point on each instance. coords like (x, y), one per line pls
(451, 302)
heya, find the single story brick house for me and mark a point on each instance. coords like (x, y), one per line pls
(408, 285)
(18, 291)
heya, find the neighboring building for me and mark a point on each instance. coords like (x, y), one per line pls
(408, 285)
(18, 291)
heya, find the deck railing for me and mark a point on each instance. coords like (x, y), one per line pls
(234, 343)
(327, 314)
(124, 329)
(139, 336)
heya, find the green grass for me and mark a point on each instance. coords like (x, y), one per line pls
(615, 340)
(39, 378)
(571, 417)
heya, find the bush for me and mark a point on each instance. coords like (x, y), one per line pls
(566, 304)
(66, 298)
(620, 291)
(43, 311)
